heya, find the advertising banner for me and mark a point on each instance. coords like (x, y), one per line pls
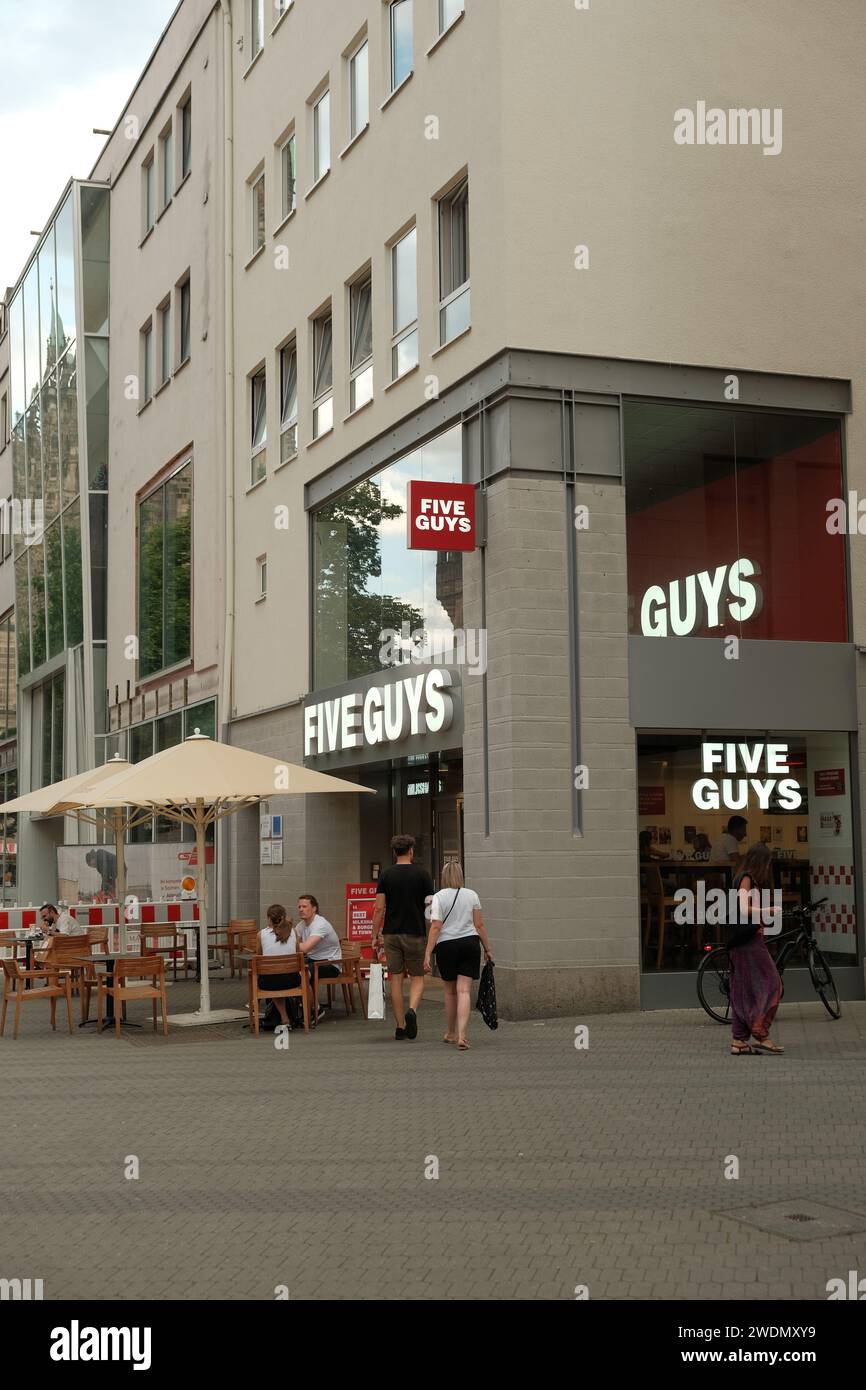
(360, 902)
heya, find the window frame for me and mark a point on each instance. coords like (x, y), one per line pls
(164, 320)
(326, 396)
(146, 495)
(148, 200)
(445, 25)
(288, 427)
(394, 6)
(262, 573)
(356, 128)
(147, 362)
(184, 297)
(361, 368)
(320, 172)
(446, 221)
(257, 222)
(287, 207)
(258, 447)
(400, 334)
(185, 121)
(256, 28)
(166, 167)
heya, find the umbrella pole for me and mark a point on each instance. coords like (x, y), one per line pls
(201, 892)
(121, 873)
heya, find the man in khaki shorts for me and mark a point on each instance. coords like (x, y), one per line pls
(403, 892)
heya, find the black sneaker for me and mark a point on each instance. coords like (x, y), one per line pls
(411, 1024)
(399, 1032)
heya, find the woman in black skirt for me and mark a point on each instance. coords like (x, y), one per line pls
(457, 935)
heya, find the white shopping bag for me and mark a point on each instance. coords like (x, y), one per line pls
(376, 992)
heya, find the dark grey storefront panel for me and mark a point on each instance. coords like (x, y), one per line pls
(678, 989)
(687, 683)
(411, 745)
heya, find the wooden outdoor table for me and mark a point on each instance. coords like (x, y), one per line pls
(108, 958)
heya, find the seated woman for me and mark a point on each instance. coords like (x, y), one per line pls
(278, 939)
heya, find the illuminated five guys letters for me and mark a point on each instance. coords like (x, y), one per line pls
(696, 601)
(730, 793)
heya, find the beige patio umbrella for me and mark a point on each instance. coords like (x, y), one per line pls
(63, 798)
(197, 783)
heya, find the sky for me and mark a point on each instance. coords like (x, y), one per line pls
(67, 67)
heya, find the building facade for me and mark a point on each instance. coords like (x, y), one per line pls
(348, 277)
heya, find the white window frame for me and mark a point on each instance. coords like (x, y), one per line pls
(257, 224)
(166, 167)
(148, 193)
(401, 332)
(444, 22)
(288, 205)
(320, 169)
(361, 372)
(454, 293)
(147, 362)
(256, 27)
(356, 125)
(262, 571)
(258, 447)
(184, 289)
(288, 428)
(184, 123)
(393, 7)
(164, 343)
(323, 403)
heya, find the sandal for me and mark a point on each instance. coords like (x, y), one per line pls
(448, 1038)
(741, 1049)
(463, 1045)
(765, 1045)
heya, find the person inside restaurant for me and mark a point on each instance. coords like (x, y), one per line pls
(726, 849)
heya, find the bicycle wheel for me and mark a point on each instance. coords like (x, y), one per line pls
(713, 984)
(825, 985)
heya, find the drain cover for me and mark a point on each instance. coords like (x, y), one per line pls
(808, 1221)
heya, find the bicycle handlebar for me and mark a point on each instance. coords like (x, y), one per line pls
(804, 908)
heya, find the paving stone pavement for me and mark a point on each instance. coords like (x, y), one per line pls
(557, 1167)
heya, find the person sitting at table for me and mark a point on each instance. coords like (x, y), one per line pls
(726, 849)
(55, 923)
(318, 942)
(701, 846)
(645, 847)
(278, 938)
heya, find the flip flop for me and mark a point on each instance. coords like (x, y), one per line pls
(746, 1051)
(446, 1039)
(463, 1045)
(770, 1048)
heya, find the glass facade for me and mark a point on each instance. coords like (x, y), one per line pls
(727, 524)
(9, 841)
(8, 682)
(367, 582)
(687, 841)
(165, 574)
(154, 736)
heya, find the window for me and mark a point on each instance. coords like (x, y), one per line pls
(401, 41)
(323, 375)
(164, 343)
(258, 426)
(47, 710)
(449, 10)
(262, 572)
(321, 137)
(359, 90)
(360, 343)
(256, 27)
(166, 162)
(257, 214)
(148, 174)
(454, 263)
(165, 574)
(288, 176)
(729, 524)
(288, 402)
(186, 138)
(404, 289)
(147, 362)
(184, 305)
(4, 420)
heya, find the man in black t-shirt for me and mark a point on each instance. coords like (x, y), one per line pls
(402, 894)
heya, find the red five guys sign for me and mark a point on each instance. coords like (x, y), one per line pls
(440, 516)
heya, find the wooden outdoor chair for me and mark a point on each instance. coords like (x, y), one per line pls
(8, 941)
(68, 954)
(277, 965)
(349, 978)
(658, 906)
(241, 935)
(121, 991)
(58, 986)
(165, 939)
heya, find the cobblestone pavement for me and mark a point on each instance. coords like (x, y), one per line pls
(557, 1167)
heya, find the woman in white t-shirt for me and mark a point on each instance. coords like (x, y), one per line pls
(278, 938)
(457, 935)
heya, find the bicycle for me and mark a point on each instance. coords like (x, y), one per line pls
(714, 971)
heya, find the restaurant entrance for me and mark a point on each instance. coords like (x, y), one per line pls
(420, 796)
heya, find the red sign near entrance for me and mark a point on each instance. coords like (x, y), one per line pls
(360, 902)
(440, 516)
(830, 781)
(651, 801)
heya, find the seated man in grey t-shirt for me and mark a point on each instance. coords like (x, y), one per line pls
(317, 940)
